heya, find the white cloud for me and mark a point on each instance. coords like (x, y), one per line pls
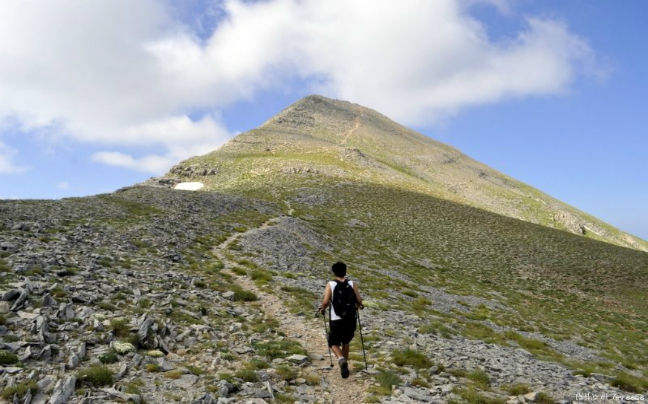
(63, 185)
(184, 138)
(7, 164)
(122, 73)
(417, 62)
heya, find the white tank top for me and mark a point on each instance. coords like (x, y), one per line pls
(333, 284)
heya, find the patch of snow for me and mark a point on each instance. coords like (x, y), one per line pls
(189, 186)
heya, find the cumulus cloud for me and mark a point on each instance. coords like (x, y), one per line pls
(119, 73)
(63, 185)
(7, 164)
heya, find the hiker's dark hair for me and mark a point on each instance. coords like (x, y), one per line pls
(339, 269)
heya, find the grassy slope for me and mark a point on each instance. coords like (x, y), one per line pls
(339, 138)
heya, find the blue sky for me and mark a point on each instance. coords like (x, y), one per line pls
(548, 92)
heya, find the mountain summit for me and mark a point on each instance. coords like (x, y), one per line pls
(318, 137)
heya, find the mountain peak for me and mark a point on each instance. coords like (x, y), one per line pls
(342, 141)
(311, 107)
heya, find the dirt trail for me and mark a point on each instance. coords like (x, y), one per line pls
(309, 332)
(356, 125)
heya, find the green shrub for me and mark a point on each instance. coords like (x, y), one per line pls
(409, 357)
(472, 396)
(286, 373)
(108, 358)
(420, 382)
(95, 376)
(152, 367)
(7, 358)
(387, 379)
(174, 374)
(106, 306)
(256, 364)
(517, 389)
(105, 262)
(630, 383)
(20, 390)
(3, 320)
(458, 372)
(312, 379)
(437, 328)
(241, 295)
(480, 377)
(4, 266)
(195, 370)
(544, 398)
(279, 349)
(144, 303)
(247, 375)
(228, 377)
(239, 271)
(261, 276)
(120, 327)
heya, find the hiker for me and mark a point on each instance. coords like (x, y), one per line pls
(344, 299)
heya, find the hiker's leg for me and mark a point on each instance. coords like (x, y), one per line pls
(345, 351)
(337, 351)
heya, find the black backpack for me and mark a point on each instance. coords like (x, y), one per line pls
(344, 300)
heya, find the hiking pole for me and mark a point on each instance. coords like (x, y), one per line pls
(362, 339)
(326, 335)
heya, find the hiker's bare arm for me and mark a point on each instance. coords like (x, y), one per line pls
(357, 293)
(327, 298)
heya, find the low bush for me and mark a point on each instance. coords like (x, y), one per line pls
(409, 357)
(95, 376)
(108, 358)
(8, 358)
(247, 375)
(19, 390)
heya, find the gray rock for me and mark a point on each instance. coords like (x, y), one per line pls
(114, 393)
(20, 302)
(416, 395)
(10, 295)
(49, 301)
(186, 381)
(261, 393)
(63, 390)
(298, 359)
(145, 334)
(205, 399)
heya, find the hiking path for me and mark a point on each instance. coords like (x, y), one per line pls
(310, 332)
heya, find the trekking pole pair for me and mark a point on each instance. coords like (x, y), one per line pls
(364, 354)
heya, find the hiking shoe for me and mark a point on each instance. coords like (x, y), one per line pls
(344, 368)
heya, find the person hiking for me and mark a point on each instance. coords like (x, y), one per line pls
(343, 299)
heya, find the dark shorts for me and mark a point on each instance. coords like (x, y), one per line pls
(341, 332)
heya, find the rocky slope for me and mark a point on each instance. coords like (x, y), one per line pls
(171, 296)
